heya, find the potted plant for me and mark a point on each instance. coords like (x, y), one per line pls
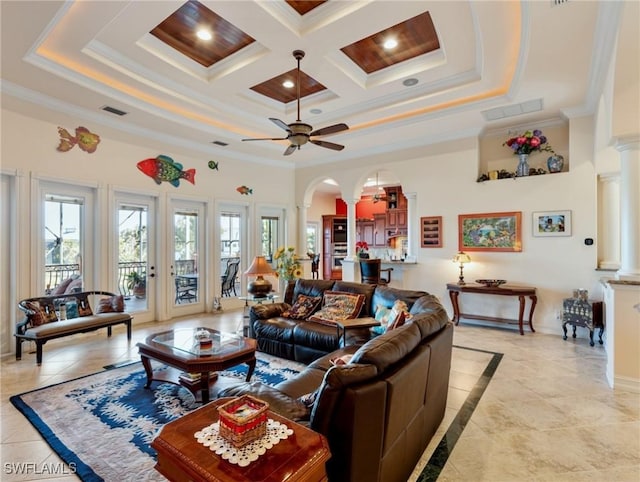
(362, 249)
(137, 284)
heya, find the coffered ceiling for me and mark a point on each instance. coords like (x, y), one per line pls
(460, 68)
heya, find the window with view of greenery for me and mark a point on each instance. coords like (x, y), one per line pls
(312, 238)
(269, 236)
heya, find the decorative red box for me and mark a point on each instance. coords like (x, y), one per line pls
(243, 420)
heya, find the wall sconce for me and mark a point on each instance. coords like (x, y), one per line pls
(461, 258)
(259, 287)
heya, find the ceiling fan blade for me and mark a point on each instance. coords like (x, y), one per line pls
(289, 150)
(268, 139)
(280, 124)
(328, 145)
(330, 130)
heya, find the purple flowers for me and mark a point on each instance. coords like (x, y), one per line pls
(528, 142)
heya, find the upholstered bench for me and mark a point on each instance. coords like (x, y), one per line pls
(41, 322)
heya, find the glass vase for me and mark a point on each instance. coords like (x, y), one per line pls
(523, 165)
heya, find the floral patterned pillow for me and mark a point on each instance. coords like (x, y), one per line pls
(111, 304)
(338, 306)
(42, 312)
(303, 307)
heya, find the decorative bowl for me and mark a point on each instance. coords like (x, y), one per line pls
(491, 283)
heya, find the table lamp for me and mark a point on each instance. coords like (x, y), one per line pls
(259, 287)
(461, 258)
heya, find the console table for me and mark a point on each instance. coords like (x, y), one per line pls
(504, 290)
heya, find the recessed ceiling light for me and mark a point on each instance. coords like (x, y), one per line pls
(316, 111)
(390, 43)
(288, 84)
(204, 34)
(409, 82)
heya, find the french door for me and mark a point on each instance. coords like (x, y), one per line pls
(188, 282)
(232, 225)
(136, 270)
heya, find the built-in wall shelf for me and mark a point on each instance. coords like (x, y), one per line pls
(493, 157)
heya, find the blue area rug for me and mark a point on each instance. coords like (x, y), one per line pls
(102, 425)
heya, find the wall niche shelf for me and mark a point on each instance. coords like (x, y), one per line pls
(494, 158)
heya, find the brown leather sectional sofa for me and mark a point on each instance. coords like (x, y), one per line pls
(379, 411)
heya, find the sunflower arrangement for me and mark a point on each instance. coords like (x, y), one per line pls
(288, 266)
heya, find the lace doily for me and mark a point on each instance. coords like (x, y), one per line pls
(242, 456)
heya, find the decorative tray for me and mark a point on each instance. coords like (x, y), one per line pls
(491, 283)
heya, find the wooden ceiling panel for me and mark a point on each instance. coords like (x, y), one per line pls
(273, 87)
(416, 36)
(179, 31)
(304, 6)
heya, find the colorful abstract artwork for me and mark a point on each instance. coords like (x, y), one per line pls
(84, 139)
(490, 232)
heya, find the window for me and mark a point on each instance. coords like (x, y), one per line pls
(312, 238)
(62, 239)
(270, 241)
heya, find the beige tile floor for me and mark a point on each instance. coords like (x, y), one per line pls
(546, 415)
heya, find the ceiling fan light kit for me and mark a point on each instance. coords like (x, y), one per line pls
(298, 132)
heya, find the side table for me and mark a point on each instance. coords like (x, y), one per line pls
(299, 458)
(584, 313)
(258, 300)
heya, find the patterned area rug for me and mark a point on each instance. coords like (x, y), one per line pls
(102, 424)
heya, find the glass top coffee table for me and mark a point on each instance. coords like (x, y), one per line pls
(192, 360)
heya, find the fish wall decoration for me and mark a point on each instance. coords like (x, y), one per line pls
(244, 190)
(84, 139)
(163, 168)
(213, 165)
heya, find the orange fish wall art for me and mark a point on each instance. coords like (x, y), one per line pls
(84, 139)
(244, 190)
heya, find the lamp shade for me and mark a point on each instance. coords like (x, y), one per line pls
(259, 266)
(259, 287)
(462, 258)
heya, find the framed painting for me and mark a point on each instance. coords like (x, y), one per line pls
(490, 232)
(551, 223)
(431, 232)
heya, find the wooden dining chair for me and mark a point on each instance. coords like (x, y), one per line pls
(371, 272)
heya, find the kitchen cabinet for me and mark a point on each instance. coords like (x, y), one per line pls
(380, 229)
(334, 245)
(396, 211)
(364, 231)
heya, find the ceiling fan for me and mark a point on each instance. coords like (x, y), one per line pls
(380, 194)
(298, 132)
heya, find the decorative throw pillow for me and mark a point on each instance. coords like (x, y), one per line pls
(62, 287)
(76, 284)
(309, 399)
(303, 308)
(341, 360)
(111, 304)
(338, 306)
(382, 315)
(42, 313)
(399, 314)
(83, 307)
(72, 308)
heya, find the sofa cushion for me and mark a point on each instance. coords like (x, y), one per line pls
(360, 288)
(320, 336)
(386, 296)
(278, 328)
(62, 287)
(310, 287)
(303, 307)
(338, 306)
(279, 402)
(389, 348)
(111, 304)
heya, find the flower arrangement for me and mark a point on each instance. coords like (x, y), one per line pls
(528, 142)
(361, 247)
(288, 267)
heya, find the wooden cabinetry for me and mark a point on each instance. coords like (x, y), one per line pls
(334, 245)
(364, 231)
(396, 210)
(380, 229)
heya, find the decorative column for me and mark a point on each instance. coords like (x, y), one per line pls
(629, 148)
(609, 221)
(350, 264)
(302, 239)
(412, 224)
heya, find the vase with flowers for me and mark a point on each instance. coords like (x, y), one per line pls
(362, 249)
(288, 266)
(525, 144)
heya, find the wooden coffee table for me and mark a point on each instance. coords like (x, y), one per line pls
(182, 353)
(300, 457)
